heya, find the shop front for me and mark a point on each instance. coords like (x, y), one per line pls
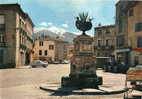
(123, 56)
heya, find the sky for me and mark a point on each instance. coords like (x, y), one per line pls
(59, 15)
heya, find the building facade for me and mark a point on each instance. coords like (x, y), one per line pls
(122, 49)
(135, 32)
(128, 32)
(104, 43)
(70, 51)
(16, 29)
(50, 49)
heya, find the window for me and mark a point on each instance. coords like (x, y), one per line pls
(2, 28)
(40, 52)
(120, 26)
(1, 37)
(41, 43)
(98, 54)
(139, 42)
(45, 52)
(131, 12)
(99, 42)
(120, 41)
(21, 22)
(107, 31)
(51, 47)
(99, 32)
(1, 56)
(138, 27)
(2, 19)
(107, 42)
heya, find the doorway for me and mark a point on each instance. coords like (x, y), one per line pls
(27, 59)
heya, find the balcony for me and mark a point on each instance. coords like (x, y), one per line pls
(110, 47)
(104, 47)
(3, 44)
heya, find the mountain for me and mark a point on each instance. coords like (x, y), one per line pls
(45, 33)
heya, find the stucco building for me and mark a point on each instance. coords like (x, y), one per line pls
(129, 32)
(50, 49)
(135, 32)
(104, 43)
(16, 29)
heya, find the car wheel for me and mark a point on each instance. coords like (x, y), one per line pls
(44, 66)
(33, 66)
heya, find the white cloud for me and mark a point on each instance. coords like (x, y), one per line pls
(43, 24)
(65, 25)
(49, 23)
(56, 30)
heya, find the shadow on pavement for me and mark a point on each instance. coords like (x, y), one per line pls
(65, 91)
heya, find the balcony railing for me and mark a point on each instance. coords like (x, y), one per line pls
(110, 47)
(3, 44)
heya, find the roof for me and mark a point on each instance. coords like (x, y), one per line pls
(16, 7)
(83, 37)
(60, 40)
(105, 26)
(53, 39)
(126, 4)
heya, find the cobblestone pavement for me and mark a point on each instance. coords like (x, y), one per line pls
(24, 83)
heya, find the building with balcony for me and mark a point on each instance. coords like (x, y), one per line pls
(104, 43)
(50, 49)
(16, 43)
(122, 49)
(129, 32)
(135, 32)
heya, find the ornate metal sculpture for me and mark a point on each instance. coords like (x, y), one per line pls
(83, 22)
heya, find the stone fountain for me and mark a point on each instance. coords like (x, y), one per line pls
(82, 68)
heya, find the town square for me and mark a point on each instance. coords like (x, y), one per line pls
(70, 49)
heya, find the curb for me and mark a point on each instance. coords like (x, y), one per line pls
(24, 67)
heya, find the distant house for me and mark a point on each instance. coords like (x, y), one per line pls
(70, 51)
(50, 49)
(104, 43)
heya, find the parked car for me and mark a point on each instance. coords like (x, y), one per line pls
(39, 63)
(56, 62)
(65, 62)
(139, 66)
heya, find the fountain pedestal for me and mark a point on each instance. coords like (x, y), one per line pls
(82, 68)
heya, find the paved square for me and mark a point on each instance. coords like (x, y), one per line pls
(24, 83)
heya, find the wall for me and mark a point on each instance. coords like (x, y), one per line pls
(9, 50)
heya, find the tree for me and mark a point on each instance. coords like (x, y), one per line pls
(83, 22)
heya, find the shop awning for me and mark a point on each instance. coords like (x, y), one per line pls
(122, 50)
(138, 49)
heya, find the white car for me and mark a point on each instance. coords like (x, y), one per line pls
(139, 66)
(39, 63)
(65, 62)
